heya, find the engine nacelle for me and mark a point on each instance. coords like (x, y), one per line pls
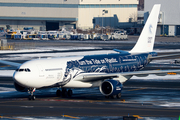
(110, 87)
(20, 88)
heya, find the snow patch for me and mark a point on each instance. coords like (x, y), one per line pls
(7, 73)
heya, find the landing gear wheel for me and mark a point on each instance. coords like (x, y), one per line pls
(70, 93)
(119, 95)
(29, 98)
(113, 96)
(59, 93)
(32, 97)
(107, 97)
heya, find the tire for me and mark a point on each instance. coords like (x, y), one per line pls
(33, 97)
(29, 98)
(119, 95)
(70, 93)
(113, 96)
(58, 93)
(107, 97)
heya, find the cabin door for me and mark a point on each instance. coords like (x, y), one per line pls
(41, 71)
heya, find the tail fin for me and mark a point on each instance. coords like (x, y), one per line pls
(146, 40)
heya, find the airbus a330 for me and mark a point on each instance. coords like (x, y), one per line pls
(106, 71)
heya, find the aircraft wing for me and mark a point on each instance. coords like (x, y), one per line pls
(10, 63)
(98, 76)
(101, 76)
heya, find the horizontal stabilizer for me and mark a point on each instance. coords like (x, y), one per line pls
(164, 56)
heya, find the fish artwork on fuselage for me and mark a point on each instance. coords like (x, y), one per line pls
(110, 63)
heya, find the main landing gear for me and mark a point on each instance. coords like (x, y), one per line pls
(64, 93)
(114, 96)
(31, 96)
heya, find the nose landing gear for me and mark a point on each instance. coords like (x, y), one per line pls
(31, 96)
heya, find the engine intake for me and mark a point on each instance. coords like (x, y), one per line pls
(110, 87)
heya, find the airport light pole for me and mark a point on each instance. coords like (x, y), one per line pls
(103, 12)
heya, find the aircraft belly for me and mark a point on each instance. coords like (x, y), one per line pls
(78, 84)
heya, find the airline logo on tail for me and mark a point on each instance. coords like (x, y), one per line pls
(150, 28)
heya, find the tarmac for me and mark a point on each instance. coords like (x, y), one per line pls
(139, 97)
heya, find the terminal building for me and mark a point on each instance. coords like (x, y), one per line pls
(169, 19)
(54, 14)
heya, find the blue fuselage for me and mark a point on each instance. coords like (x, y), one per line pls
(111, 63)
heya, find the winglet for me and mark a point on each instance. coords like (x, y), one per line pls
(146, 40)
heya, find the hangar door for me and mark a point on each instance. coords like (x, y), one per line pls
(52, 26)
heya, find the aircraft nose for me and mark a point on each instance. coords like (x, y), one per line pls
(18, 77)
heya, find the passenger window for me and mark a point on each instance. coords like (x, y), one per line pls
(28, 70)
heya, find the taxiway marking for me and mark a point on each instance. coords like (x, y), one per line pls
(70, 116)
(137, 116)
(137, 89)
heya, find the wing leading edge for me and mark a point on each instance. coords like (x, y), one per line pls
(10, 63)
(100, 76)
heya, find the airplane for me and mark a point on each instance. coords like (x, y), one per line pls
(106, 71)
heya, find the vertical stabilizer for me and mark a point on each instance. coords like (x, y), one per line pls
(145, 42)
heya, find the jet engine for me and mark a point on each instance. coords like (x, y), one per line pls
(20, 88)
(111, 88)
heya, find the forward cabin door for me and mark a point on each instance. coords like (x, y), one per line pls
(41, 71)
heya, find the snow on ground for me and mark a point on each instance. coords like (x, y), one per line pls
(6, 90)
(39, 55)
(43, 49)
(155, 77)
(7, 73)
(168, 104)
(169, 61)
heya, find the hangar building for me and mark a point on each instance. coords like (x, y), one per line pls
(169, 19)
(53, 14)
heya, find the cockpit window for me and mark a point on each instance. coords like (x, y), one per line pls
(21, 70)
(27, 70)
